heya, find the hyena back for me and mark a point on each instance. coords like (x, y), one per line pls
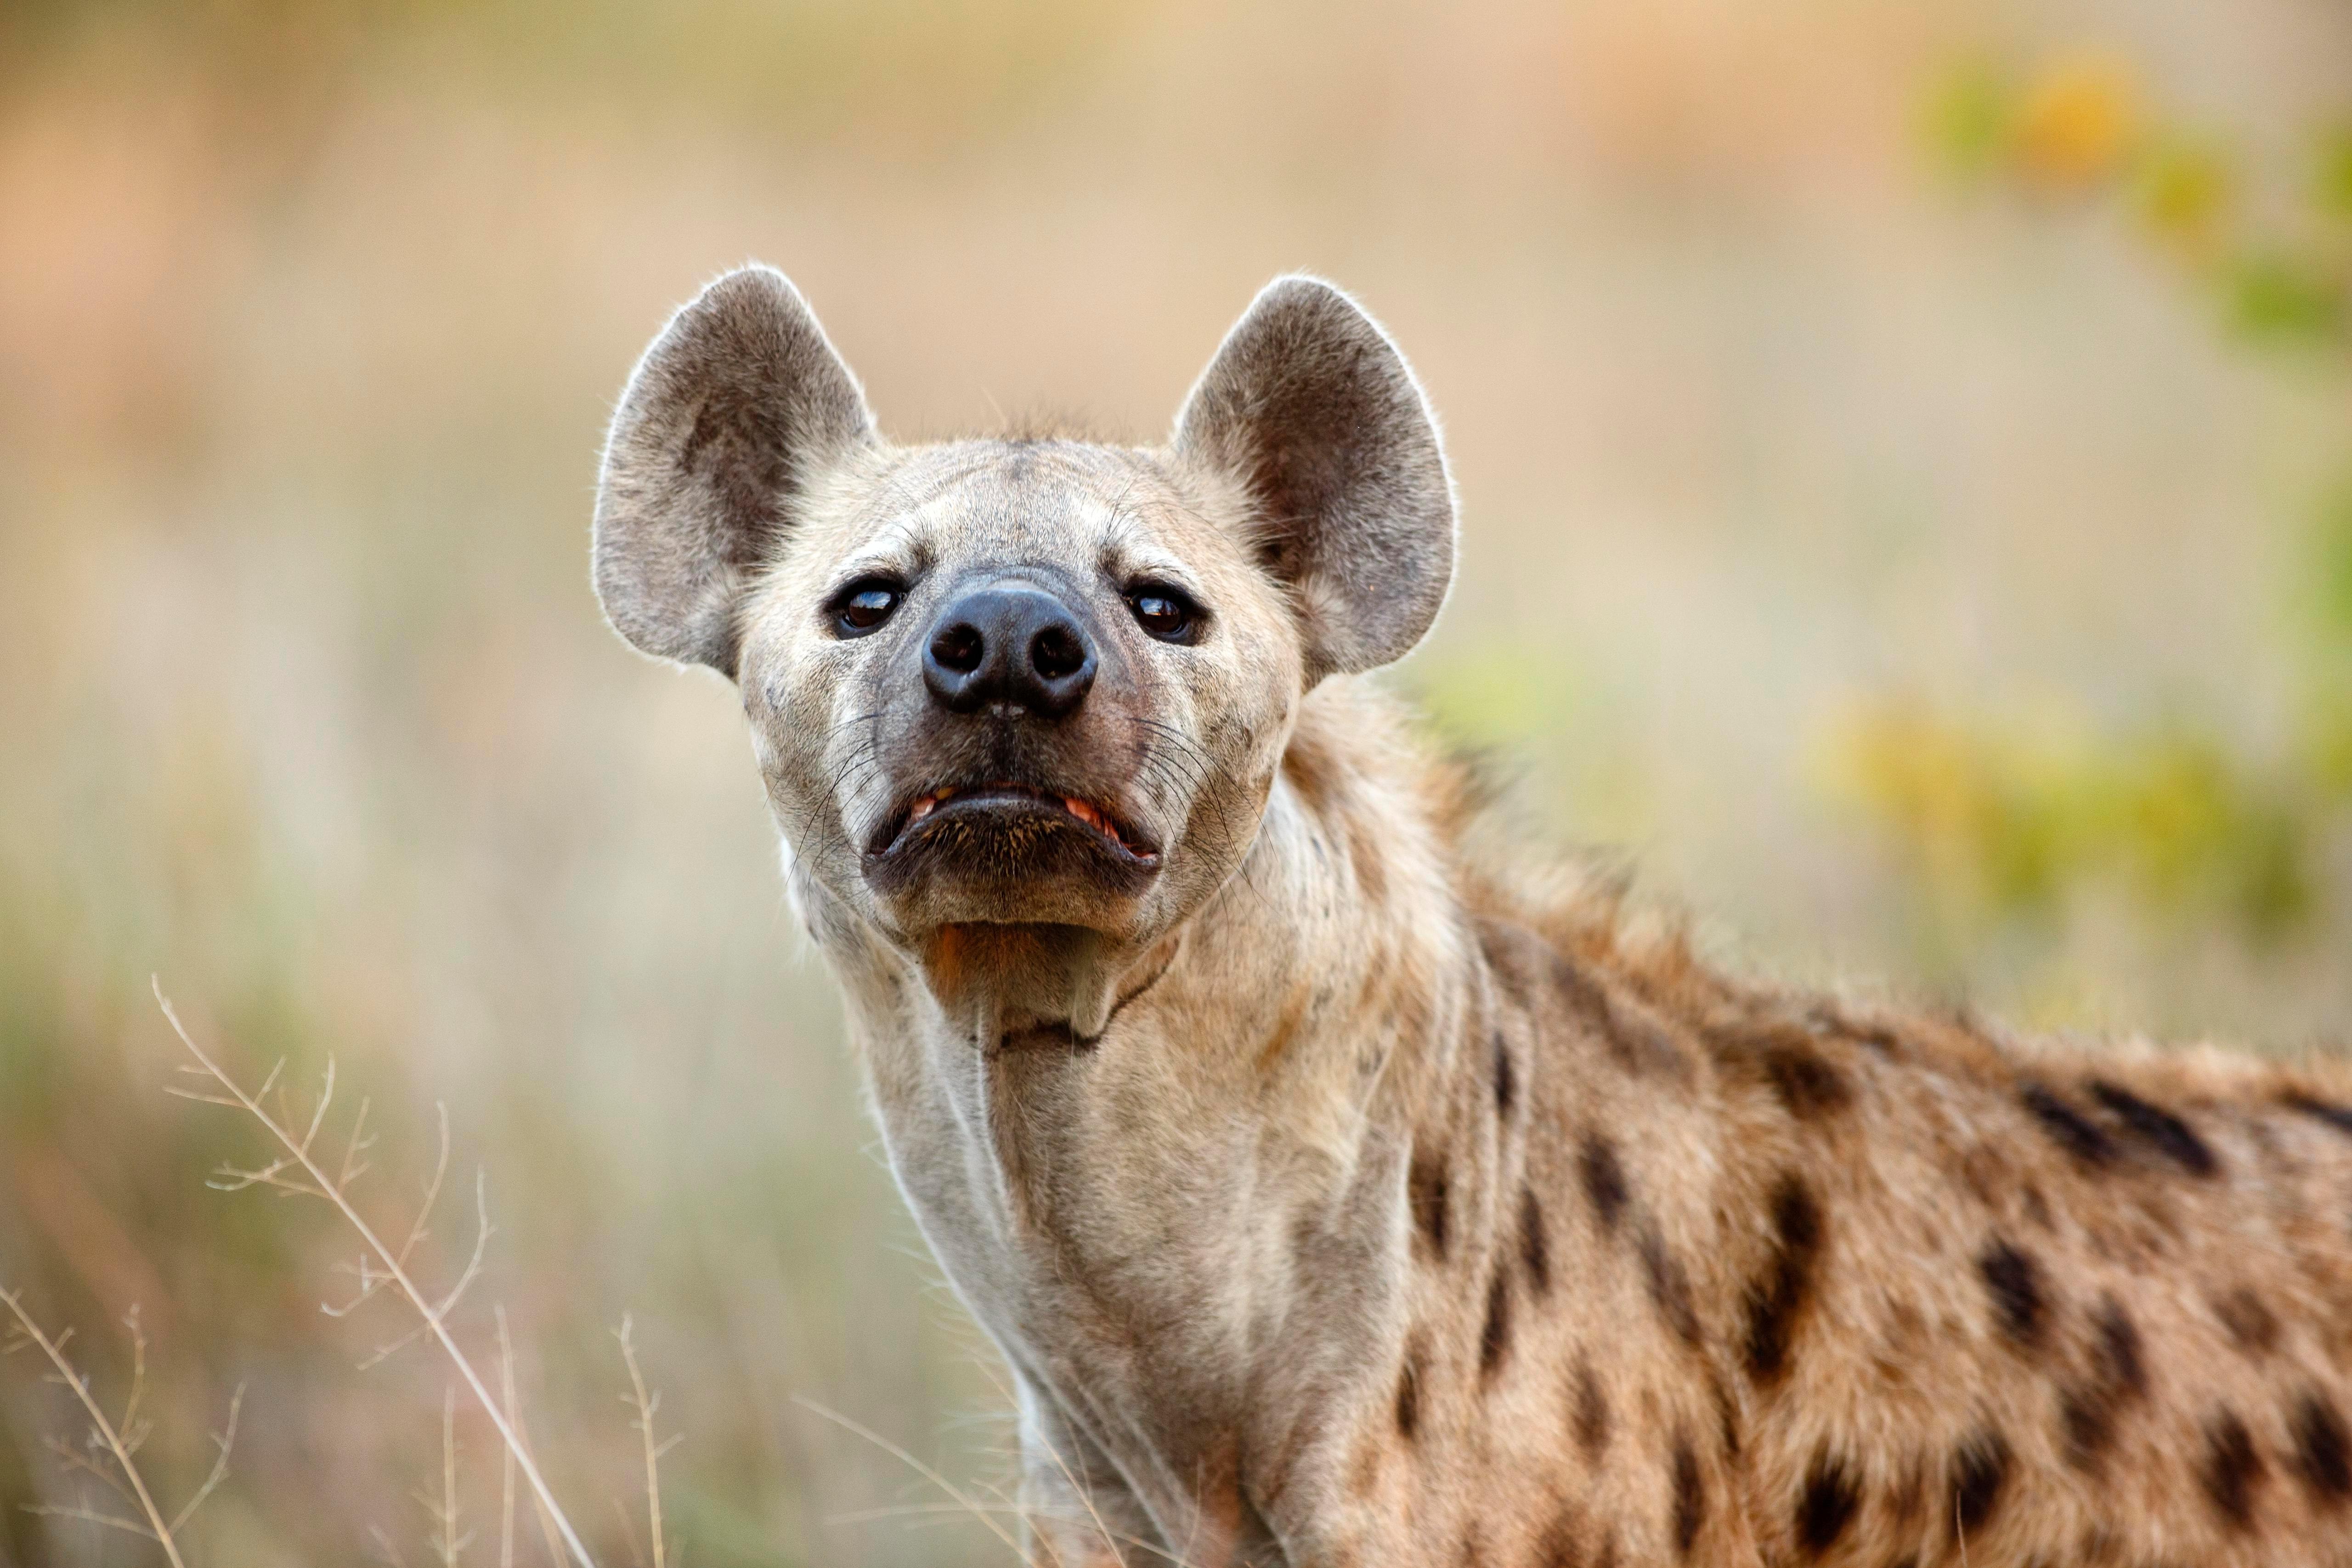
(1340, 1187)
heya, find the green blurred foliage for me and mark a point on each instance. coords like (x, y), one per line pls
(2276, 296)
(1999, 820)
(2331, 189)
(2075, 129)
(1998, 823)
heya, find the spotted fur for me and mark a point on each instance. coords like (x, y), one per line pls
(1350, 1185)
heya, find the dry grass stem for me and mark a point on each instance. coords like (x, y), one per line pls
(646, 1404)
(985, 1515)
(300, 1170)
(506, 1456)
(523, 1432)
(120, 1439)
(447, 1545)
(384, 1544)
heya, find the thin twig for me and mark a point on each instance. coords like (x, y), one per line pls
(1111, 1538)
(91, 1516)
(394, 1269)
(645, 1424)
(133, 1434)
(224, 1439)
(384, 1544)
(447, 1541)
(921, 1468)
(505, 1465)
(522, 1431)
(73, 1458)
(54, 1351)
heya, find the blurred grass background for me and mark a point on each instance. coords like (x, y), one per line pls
(1906, 454)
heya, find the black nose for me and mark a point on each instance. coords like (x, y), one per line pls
(1009, 646)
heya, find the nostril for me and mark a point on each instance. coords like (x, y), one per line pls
(959, 648)
(1057, 653)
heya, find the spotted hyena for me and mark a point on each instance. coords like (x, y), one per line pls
(1345, 1185)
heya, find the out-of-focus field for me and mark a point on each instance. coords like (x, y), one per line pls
(1910, 569)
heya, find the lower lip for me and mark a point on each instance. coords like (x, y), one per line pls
(931, 807)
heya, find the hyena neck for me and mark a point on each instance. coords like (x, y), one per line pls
(1264, 1051)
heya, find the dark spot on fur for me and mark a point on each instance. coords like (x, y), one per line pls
(2323, 1451)
(2253, 1327)
(1474, 1547)
(1635, 1042)
(1428, 1186)
(1604, 1180)
(1507, 1083)
(2157, 1127)
(1495, 1339)
(1807, 1085)
(2233, 1472)
(1583, 993)
(1877, 1036)
(1827, 1506)
(2088, 1410)
(2014, 1279)
(2088, 1420)
(1776, 1301)
(1535, 1251)
(1607, 1558)
(2336, 1116)
(2118, 1347)
(1979, 1471)
(1669, 1286)
(2037, 1207)
(1408, 1394)
(2073, 1133)
(1556, 1548)
(1726, 1417)
(1690, 1497)
(1592, 1412)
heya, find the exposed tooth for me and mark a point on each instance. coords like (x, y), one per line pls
(922, 810)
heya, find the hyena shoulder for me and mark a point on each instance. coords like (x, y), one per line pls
(1859, 1282)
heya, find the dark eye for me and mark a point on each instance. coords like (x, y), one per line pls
(1164, 612)
(865, 606)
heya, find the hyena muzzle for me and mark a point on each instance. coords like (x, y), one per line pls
(1347, 1185)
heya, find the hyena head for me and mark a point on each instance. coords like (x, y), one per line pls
(1019, 703)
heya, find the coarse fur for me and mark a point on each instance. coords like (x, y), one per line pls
(1344, 1186)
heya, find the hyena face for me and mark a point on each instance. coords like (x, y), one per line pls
(1019, 684)
(1019, 703)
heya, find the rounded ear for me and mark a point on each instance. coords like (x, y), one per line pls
(731, 414)
(1312, 409)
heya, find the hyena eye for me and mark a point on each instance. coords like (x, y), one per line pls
(1164, 612)
(864, 606)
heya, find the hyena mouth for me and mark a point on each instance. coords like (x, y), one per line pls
(1012, 805)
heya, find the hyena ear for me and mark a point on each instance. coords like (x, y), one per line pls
(1312, 409)
(736, 410)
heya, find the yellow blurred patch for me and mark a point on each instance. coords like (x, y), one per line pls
(2079, 118)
